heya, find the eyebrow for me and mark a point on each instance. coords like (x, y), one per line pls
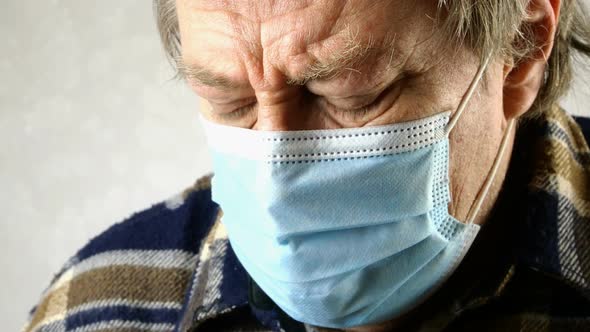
(353, 53)
(204, 76)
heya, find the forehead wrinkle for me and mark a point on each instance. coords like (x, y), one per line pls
(272, 9)
(220, 5)
(243, 28)
(255, 10)
(391, 54)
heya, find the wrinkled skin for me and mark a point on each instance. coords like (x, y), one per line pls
(260, 48)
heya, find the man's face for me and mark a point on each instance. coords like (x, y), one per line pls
(291, 65)
(319, 64)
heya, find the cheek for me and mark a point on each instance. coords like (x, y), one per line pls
(474, 145)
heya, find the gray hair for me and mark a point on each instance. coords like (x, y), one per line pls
(498, 27)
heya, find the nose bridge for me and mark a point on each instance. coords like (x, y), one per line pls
(280, 106)
(281, 109)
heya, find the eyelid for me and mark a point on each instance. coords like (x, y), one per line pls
(230, 106)
(361, 103)
(376, 94)
(356, 110)
(377, 102)
(239, 112)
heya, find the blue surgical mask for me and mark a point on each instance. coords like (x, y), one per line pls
(344, 227)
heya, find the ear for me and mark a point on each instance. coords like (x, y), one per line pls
(523, 80)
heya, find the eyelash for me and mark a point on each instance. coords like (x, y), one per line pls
(239, 112)
(355, 113)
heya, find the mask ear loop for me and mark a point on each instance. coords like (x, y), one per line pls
(491, 176)
(476, 207)
(463, 104)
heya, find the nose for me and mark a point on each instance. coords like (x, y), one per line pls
(282, 110)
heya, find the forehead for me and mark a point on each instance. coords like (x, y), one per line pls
(239, 37)
(254, 9)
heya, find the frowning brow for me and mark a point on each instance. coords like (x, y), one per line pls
(352, 54)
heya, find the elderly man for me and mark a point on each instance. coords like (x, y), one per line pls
(381, 166)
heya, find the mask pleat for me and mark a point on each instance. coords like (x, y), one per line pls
(340, 227)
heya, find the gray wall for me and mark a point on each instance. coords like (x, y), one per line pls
(92, 130)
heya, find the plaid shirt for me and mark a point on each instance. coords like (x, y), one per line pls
(171, 267)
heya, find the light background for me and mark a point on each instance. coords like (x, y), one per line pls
(92, 129)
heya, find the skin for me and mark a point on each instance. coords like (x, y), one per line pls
(261, 47)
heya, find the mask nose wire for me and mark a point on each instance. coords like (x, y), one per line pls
(465, 100)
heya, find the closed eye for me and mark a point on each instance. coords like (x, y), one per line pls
(377, 103)
(372, 104)
(354, 113)
(239, 112)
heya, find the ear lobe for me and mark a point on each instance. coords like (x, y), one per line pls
(524, 79)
